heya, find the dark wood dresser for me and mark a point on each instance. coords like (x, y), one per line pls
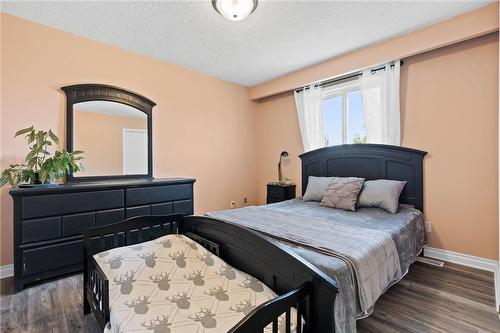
(49, 221)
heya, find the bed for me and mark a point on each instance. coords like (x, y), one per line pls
(365, 251)
(193, 274)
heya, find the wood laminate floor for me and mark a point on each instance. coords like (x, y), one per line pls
(429, 299)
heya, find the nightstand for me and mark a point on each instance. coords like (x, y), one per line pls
(277, 192)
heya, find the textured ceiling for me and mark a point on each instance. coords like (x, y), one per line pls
(279, 37)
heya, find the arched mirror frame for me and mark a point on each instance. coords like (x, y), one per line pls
(101, 92)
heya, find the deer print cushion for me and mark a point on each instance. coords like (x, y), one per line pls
(173, 284)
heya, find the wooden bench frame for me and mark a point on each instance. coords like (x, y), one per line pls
(299, 284)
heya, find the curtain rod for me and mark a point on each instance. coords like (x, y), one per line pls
(345, 77)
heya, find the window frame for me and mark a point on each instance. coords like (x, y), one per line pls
(342, 89)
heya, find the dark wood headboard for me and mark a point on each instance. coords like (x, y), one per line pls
(369, 161)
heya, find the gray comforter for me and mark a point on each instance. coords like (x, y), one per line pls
(365, 252)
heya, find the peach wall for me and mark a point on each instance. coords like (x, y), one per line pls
(207, 128)
(449, 100)
(100, 136)
(449, 106)
(202, 127)
(463, 27)
(277, 130)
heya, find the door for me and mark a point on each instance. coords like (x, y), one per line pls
(135, 151)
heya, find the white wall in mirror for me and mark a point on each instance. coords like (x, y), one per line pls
(109, 108)
(99, 130)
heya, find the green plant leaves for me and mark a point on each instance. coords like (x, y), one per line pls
(31, 137)
(40, 165)
(11, 176)
(53, 137)
(31, 156)
(24, 131)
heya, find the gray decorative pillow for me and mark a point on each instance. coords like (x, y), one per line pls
(381, 193)
(316, 188)
(342, 193)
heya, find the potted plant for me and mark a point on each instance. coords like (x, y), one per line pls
(40, 166)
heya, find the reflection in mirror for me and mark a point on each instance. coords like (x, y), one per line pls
(114, 137)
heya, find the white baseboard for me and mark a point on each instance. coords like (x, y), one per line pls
(469, 261)
(461, 259)
(497, 287)
(6, 271)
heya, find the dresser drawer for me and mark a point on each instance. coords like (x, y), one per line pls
(156, 194)
(41, 229)
(184, 207)
(271, 200)
(162, 209)
(276, 191)
(109, 216)
(52, 257)
(138, 211)
(77, 223)
(67, 203)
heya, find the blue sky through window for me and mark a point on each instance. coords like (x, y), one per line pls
(356, 122)
(332, 118)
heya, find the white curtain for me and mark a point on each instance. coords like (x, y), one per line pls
(310, 114)
(380, 92)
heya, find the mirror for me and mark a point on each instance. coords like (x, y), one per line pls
(113, 128)
(114, 137)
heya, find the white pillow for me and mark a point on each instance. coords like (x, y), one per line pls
(316, 188)
(381, 193)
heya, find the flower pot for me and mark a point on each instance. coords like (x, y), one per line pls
(35, 182)
(51, 184)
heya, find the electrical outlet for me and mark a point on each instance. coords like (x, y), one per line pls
(428, 226)
(245, 200)
(233, 204)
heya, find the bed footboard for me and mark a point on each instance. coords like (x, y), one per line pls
(269, 313)
(312, 292)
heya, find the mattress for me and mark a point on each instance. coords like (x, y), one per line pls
(331, 240)
(173, 284)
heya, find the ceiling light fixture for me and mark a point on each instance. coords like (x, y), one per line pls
(235, 10)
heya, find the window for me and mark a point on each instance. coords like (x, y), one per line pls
(343, 118)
